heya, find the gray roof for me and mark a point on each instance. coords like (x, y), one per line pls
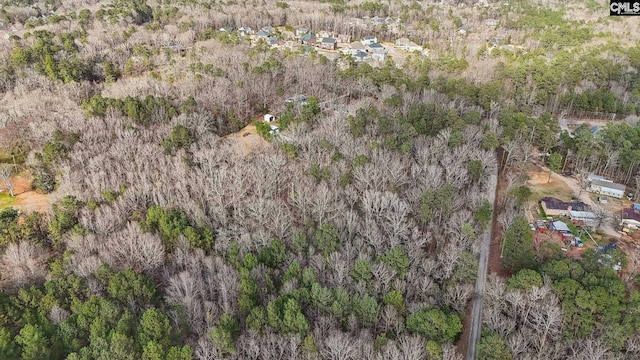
(582, 215)
(308, 37)
(329, 40)
(560, 226)
(360, 54)
(608, 184)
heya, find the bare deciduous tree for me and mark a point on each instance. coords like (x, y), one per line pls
(5, 176)
(23, 263)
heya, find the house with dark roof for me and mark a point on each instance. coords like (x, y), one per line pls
(576, 205)
(361, 56)
(374, 47)
(630, 218)
(308, 39)
(557, 207)
(329, 43)
(554, 207)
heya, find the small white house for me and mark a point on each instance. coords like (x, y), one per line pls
(274, 130)
(269, 118)
(368, 40)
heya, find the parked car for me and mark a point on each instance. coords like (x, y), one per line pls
(532, 227)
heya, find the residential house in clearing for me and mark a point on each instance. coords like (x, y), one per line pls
(275, 42)
(361, 56)
(329, 43)
(407, 45)
(374, 47)
(368, 40)
(580, 218)
(600, 185)
(263, 34)
(563, 229)
(630, 218)
(300, 32)
(377, 20)
(308, 39)
(554, 207)
(246, 30)
(298, 99)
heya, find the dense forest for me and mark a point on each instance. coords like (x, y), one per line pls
(181, 226)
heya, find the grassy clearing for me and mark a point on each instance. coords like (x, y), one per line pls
(6, 201)
(557, 190)
(7, 158)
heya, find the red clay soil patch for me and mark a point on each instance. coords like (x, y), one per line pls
(246, 141)
(495, 248)
(463, 344)
(28, 200)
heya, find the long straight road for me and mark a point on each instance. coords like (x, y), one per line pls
(476, 310)
(475, 330)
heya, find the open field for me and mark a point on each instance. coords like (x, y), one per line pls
(246, 141)
(543, 183)
(26, 199)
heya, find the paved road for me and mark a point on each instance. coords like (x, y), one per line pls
(475, 330)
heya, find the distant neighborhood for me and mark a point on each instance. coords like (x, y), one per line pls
(302, 39)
